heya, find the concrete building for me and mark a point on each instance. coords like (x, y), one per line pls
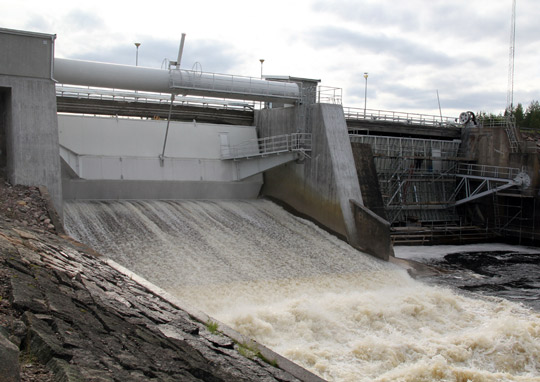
(28, 116)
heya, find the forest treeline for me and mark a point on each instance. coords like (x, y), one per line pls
(525, 118)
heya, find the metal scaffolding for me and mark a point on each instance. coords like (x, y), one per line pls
(417, 177)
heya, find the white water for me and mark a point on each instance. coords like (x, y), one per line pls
(309, 296)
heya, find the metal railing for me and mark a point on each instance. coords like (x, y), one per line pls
(512, 133)
(400, 117)
(403, 147)
(297, 142)
(327, 94)
(233, 85)
(483, 171)
(102, 94)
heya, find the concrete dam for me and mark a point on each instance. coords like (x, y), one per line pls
(170, 185)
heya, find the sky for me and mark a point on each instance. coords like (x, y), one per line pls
(411, 49)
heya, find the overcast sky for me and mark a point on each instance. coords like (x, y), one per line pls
(410, 48)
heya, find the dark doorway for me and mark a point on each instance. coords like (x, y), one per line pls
(5, 127)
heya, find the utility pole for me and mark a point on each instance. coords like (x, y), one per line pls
(365, 94)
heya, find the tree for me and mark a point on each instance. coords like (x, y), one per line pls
(519, 115)
(532, 116)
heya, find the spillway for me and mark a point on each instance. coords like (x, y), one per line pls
(309, 296)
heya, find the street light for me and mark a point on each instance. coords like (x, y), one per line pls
(261, 60)
(137, 44)
(365, 94)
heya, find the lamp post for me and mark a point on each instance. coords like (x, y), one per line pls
(137, 44)
(261, 60)
(365, 94)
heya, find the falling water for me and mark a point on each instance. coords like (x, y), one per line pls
(309, 296)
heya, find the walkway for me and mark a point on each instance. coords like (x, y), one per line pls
(258, 155)
(263, 147)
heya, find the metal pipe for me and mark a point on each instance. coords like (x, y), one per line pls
(162, 156)
(98, 74)
(180, 51)
(53, 38)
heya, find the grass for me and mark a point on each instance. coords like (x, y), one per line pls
(244, 349)
(251, 353)
(212, 327)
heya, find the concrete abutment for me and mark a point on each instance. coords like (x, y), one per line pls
(28, 115)
(324, 185)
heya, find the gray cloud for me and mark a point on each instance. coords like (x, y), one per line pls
(213, 56)
(367, 14)
(453, 95)
(39, 23)
(438, 18)
(83, 21)
(406, 52)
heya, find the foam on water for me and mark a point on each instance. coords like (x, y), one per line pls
(309, 296)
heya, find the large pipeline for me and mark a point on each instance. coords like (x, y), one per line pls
(176, 81)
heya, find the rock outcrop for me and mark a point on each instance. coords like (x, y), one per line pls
(88, 322)
(64, 306)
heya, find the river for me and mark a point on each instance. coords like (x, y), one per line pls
(312, 298)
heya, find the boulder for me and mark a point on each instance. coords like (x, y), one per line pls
(9, 361)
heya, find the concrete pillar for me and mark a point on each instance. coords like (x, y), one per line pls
(325, 187)
(367, 176)
(28, 114)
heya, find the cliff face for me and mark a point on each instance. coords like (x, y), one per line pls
(66, 308)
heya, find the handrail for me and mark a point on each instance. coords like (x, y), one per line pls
(400, 117)
(233, 85)
(296, 142)
(329, 94)
(145, 97)
(484, 171)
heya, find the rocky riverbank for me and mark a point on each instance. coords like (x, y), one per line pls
(67, 315)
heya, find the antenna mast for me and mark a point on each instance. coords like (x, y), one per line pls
(510, 92)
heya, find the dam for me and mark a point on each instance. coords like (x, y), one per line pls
(174, 174)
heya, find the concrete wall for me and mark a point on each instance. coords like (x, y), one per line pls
(324, 187)
(487, 146)
(26, 54)
(490, 146)
(374, 232)
(28, 111)
(109, 136)
(367, 176)
(118, 158)
(321, 186)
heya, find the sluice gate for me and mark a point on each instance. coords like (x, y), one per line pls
(427, 187)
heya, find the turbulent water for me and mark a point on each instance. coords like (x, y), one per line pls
(309, 296)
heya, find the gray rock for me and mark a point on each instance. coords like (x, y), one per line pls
(26, 294)
(9, 361)
(42, 340)
(86, 321)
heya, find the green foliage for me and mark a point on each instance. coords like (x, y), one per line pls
(532, 116)
(528, 119)
(519, 115)
(246, 351)
(212, 327)
(251, 353)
